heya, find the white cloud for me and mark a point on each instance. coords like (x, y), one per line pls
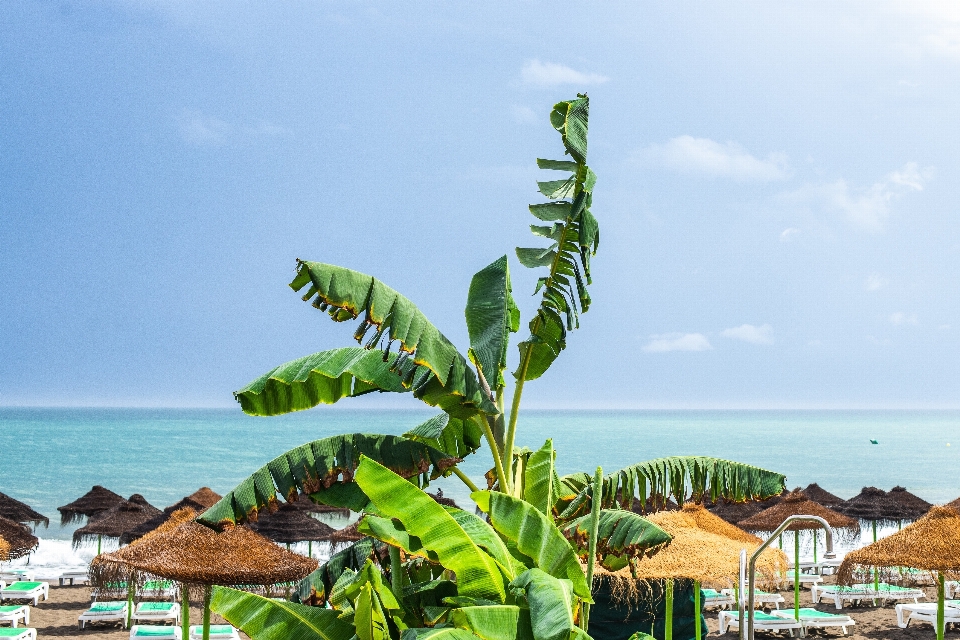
(705, 156)
(900, 318)
(549, 74)
(523, 115)
(788, 234)
(677, 342)
(874, 282)
(865, 208)
(750, 333)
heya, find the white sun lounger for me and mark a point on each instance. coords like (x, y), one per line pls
(154, 632)
(13, 612)
(9, 633)
(13, 575)
(761, 622)
(104, 612)
(224, 631)
(157, 612)
(927, 612)
(950, 589)
(811, 618)
(863, 592)
(712, 598)
(25, 591)
(74, 577)
(761, 598)
(805, 578)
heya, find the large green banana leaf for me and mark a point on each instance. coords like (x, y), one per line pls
(620, 533)
(535, 536)
(266, 619)
(683, 477)
(491, 316)
(539, 476)
(324, 469)
(477, 573)
(447, 633)
(551, 605)
(495, 622)
(575, 235)
(346, 293)
(374, 605)
(316, 587)
(454, 436)
(393, 533)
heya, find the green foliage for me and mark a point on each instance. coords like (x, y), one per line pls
(324, 469)
(453, 436)
(437, 530)
(266, 619)
(575, 235)
(539, 476)
(491, 315)
(552, 605)
(494, 622)
(375, 609)
(448, 633)
(620, 533)
(535, 536)
(316, 588)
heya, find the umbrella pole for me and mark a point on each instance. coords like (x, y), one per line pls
(206, 612)
(876, 572)
(184, 610)
(796, 575)
(668, 622)
(130, 588)
(99, 540)
(696, 607)
(310, 548)
(939, 605)
(815, 547)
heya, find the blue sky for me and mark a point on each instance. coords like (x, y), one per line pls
(777, 191)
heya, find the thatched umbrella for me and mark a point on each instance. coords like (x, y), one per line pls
(91, 503)
(438, 497)
(288, 524)
(734, 512)
(19, 539)
(116, 521)
(188, 552)
(821, 496)
(13, 509)
(796, 503)
(932, 543)
(345, 536)
(914, 504)
(704, 549)
(4, 549)
(205, 497)
(304, 503)
(877, 506)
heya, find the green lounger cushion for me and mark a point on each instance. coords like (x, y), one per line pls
(157, 584)
(147, 632)
(22, 586)
(7, 632)
(10, 608)
(813, 613)
(157, 606)
(710, 593)
(766, 617)
(104, 607)
(215, 629)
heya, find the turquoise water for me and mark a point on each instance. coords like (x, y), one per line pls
(51, 456)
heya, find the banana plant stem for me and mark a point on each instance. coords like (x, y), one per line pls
(466, 480)
(497, 462)
(396, 573)
(592, 543)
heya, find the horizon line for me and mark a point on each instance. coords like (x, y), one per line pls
(534, 407)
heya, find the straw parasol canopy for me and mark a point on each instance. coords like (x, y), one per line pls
(820, 495)
(18, 539)
(4, 549)
(439, 499)
(916, 505)
(95, 501)
(697, 553)
(304, 503)
(875, 505)
(189, 552)
(345, 536)
(288, 524)
(714, 524)
(13, 509)
(205, 497)
(734, 512)
(932, 543)
(117, 520)
(796, 503)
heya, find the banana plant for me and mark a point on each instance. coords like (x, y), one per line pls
(425, 570)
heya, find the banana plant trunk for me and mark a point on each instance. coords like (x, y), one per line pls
(596, 499)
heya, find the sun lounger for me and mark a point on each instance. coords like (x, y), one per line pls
(157, 611)
(761, 598)
(8, 633)
(74, 577)
(761, 622)
(114, 589)
(811, 618)
(712, 598)
(927, 612)
(863, 592)
(25, 591)
(805, 578)
(104, 612)
(13, 575)
(158, 589)
(224, 631)
(153, 632)
(950, 589)
(13, 612)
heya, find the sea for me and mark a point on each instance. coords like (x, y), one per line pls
(51, 456)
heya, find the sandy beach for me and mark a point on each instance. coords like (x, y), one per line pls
(57, 617)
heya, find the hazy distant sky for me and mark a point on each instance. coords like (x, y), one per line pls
(778, 191)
